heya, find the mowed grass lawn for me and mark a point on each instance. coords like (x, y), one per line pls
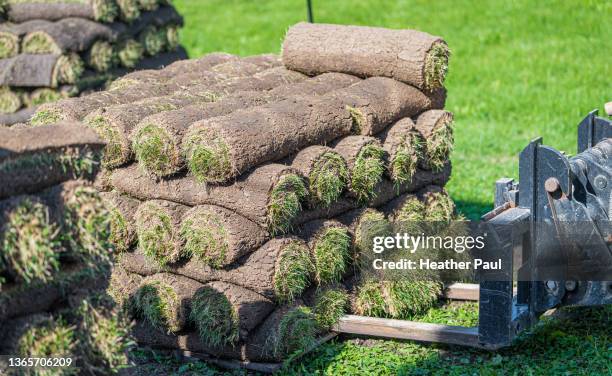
(519, 69)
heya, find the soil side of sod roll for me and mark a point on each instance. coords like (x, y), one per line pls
(122, 285)
(32, 159)
(365, 159)
(20, 116)
(122, 216)
(280, 270)
(165, 131)
(436, 128)
(327, 173)
(219, 236)
(158, 230)
(222, 148)
(21, 11)
(404, 146)
(146, 335)
(77, 108)
(271, 195)
(49, 70)
(164, 301)
(225, 314)
(414, 57)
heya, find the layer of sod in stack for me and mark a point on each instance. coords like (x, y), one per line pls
(115, 123)
(56, 258)
(132, 87)
(51, 50)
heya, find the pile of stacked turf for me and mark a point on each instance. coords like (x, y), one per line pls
(244, 191)
(54, 250)
(53, 49)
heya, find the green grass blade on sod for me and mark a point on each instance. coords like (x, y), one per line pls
(436, 128)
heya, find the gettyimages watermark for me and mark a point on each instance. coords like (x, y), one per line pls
(477, 251)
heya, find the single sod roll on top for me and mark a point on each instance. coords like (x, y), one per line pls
(410, 56)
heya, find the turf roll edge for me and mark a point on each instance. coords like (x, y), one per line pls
(436, 128)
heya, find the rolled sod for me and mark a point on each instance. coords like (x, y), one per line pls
(219, 236)
(67, 35)
(9, 44)
(45, 95)
(172, 37)
(122, 214)
(163, 300)
(10, 101)
(224, 314)
(158, 230)
(331, 245)
(365, 159)
(365, 224)
(84, 220)
(280, 270)
(327, 173)
(148, 5)
(239, 141)
(157, 76)
(29, 239)
(32, 159)
(130, 52)
(330, 304)
(21, 116)
(153, 40)
(410, 56)
(436, 127)
(98, 10)
(128, 10)
(439, 207)
(102, 56)
(271, 195)
(407, 212)
(146, 335)
(123, 285)
(27, 70)
(404, 146)
(289, 330)
(164, 131)
(395, 299)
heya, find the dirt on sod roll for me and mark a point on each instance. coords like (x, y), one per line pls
(158, 76)
(271, 195)
(164, 301)
(288, 330)
(222, 148)
(146, 335)
(67, 35)
(98, 10)
(10, 100)
(27, 70)
(414, 57)
(29, 240)
(224, 314)
(404, 146)
(327, 173)
(219, 236)
(280, 270)
(158, 230)
(436, 127)
(32, 159)
(365, 159)
(21, 116)
(163, 132)
(122, 212)
(331, 245)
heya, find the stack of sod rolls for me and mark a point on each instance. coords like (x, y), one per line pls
(54, 49)
(244, 190)
(55, 257)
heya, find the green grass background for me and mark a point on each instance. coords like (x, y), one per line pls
(518, 70)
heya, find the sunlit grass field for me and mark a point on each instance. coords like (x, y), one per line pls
(519, 70)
